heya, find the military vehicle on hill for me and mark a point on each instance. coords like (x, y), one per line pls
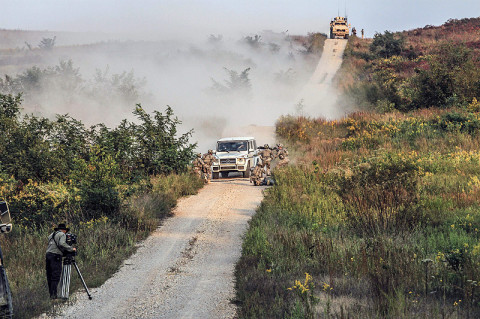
(339, 28)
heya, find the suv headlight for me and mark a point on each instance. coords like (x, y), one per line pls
(240, 160)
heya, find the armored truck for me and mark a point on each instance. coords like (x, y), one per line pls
(339, 28)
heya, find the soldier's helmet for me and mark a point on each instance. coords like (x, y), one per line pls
(266, 146)
(281, 156)
(199, 154)
(210, 151)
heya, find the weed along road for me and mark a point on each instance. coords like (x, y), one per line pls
(185, 268)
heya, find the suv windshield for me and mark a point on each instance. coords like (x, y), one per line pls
(232, 146)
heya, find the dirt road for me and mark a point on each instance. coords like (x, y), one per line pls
(319, 95)
(185, 269)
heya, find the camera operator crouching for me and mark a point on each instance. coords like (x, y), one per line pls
(57, 247)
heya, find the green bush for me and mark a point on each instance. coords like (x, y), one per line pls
(387, 44)
(446, 76)
(97, 182)
(381, 195)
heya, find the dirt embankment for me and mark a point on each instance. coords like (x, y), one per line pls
(185, 269)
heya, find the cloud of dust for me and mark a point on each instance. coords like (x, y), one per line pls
(215, 85)
(319, 97)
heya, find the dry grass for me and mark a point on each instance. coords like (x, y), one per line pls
(371, 198)
(103, 243)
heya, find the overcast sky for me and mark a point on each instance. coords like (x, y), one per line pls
(164, 17)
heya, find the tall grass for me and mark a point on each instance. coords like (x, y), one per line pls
(382, 210)
(103, 243)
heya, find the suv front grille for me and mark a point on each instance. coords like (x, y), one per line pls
(228, 161)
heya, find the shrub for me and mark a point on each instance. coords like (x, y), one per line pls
(381, 195)
(387, 44)
(97, 182)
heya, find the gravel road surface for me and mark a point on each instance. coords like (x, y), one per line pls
(185, 268)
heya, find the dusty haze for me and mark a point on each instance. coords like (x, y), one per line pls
(192, 76)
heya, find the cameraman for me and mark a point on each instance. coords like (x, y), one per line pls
(57, 246)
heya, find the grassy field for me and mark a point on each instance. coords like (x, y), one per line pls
(103, 244)
(382, 213)
(379, 215)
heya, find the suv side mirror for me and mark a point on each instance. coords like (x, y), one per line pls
(5, 220)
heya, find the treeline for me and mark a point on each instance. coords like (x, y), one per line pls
(432, 68)
(90, 163)
(64, 84)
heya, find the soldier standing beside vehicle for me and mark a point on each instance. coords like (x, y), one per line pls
(257, 175)
(57, 246)
(282, 154)
(208, 161)
(198, 166)
(266, 155)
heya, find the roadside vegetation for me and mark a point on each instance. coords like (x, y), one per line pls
(111, 186)
(380, 215)
(422, 68)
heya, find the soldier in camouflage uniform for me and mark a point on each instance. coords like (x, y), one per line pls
(267, 156)
(208, 161)
(198, 166)
(282, 154)
(257, 175)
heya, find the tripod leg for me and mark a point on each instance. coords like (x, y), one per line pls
(65, 281)
(83, 281)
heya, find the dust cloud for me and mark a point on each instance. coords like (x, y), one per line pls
(319, 97)
(217, 84)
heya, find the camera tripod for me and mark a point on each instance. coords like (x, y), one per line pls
(68, 261)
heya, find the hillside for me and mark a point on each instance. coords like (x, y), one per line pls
(380, 215)
(421, 68)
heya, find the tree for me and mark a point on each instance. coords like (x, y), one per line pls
(47, 43)
(254, 41)
(387, 45)
(97, 180)
(237, 83)
(9, 121)
(9, 107)
(158, 150)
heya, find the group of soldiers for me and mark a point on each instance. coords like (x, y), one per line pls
(267, 155)
(354, 32)
(202, 165)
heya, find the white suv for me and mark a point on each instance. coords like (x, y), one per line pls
(235, 154)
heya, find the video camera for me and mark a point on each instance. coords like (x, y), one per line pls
(71, 239)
